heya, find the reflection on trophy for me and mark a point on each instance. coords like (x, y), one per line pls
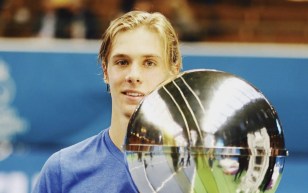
(205, 131)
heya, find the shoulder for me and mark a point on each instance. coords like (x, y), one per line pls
(54, 162)
(64, 165)
(83, 149)
(50, 176)
(74, 153)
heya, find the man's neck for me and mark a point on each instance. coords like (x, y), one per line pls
(118, 130)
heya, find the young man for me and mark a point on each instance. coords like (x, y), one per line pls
(138, 52)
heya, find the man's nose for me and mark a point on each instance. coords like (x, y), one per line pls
(134, 73)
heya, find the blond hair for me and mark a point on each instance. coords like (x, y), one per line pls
(153, 21)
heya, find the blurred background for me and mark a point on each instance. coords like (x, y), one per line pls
(279, 21)
(52, 92)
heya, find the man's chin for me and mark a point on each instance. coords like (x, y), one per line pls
(129, 113)
(129, 110)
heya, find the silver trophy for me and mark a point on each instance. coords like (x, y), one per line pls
(205, 131)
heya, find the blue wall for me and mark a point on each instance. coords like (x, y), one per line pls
(52, 100)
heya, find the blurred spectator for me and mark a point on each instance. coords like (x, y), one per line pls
(48, 22)
(184, 21)
(16, 19)
(127, 5)
(179, 13)
(68, 19)
(1, 4)
(144, 5)
(1, 17)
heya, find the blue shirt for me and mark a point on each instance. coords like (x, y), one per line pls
(93, 165)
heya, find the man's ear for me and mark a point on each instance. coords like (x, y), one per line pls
(175, 69)
(106, 79)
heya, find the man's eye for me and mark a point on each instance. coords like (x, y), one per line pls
(121, 62)
(150, 63)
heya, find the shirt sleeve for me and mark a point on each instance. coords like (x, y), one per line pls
(49, 180)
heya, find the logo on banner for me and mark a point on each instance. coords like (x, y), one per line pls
(10, 122)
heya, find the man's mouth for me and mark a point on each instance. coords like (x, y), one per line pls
(133, 94)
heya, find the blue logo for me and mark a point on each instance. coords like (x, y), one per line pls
(10, 121)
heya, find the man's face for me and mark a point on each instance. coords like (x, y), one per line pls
(136, 65)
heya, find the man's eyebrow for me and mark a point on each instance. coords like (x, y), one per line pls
(151, 56)
(144, 56)
(119, 56)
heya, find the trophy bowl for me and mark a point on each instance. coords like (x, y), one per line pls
(205, 131)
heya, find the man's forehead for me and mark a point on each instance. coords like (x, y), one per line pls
(121, 55)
